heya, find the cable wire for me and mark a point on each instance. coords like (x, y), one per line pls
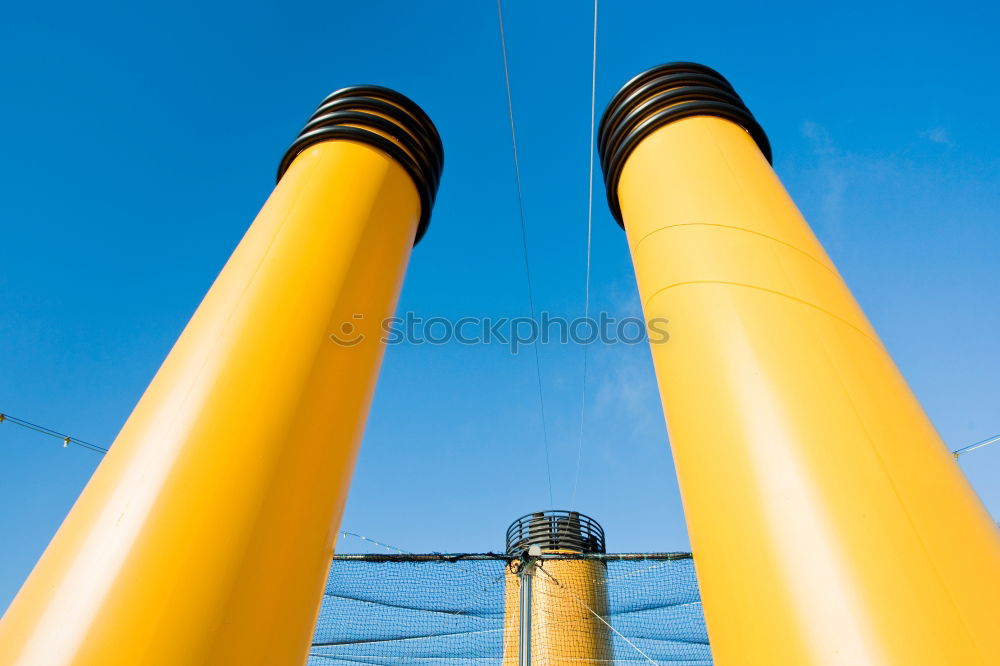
(973, 447)
(377, 543)
(586, 289)
(524, 244)
(66, 439)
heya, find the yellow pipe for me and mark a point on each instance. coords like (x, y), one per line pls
(205, 535)
(567, 596)
(828, 522)
(563, 628)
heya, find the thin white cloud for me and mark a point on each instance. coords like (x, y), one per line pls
(832, 178)
(938, 135)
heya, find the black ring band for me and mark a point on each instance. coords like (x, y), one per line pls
(644, 108)
(388, 121)
(660, 96)
(637, 94)
(384, 109)
(415, 148)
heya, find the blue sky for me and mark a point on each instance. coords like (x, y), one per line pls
(140, 139)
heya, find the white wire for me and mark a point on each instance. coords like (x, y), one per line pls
(973, 447)
(586, 290)
(377, 543)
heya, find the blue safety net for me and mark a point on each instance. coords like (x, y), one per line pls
(452, 610)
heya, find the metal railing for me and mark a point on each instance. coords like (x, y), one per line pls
(555, 531)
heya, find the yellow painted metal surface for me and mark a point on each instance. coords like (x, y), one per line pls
(564, 630)
(829, 524)
(205, 535)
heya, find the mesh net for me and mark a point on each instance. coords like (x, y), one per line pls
(464, 609)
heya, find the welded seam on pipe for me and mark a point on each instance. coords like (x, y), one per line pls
(765, 290)
(828, 267)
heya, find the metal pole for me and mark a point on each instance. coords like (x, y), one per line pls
(524, 632)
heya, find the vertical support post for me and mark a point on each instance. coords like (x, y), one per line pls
(829, 524)
(205, 535)
(525, 576)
